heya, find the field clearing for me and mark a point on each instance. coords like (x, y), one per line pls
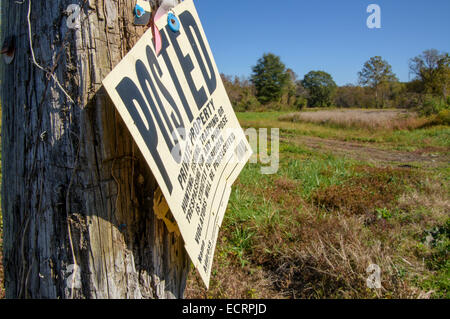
(370, 153)
(343, 198)
(426, 140)
(365, 119)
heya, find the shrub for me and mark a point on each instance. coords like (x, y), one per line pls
(432, 105)
(301, 103)
(248, 102)
(442, 118)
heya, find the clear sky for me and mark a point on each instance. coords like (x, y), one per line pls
(328, 35)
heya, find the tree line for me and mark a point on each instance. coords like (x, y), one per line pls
(273, 86)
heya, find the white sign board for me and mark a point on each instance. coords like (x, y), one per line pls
(178, 112)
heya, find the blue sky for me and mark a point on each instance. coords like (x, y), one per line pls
(328, 35)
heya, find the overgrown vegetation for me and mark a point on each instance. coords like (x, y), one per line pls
(312, 229)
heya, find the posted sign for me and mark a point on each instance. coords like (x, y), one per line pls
(178, 112)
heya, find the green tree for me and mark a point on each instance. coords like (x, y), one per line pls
(432, 69)
(289, 89)
(377, 74)
(320, 86)
(269, 78)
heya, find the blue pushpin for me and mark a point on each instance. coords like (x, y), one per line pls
(173, 22)
(139, 11)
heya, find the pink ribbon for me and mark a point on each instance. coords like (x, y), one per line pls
(163, 9)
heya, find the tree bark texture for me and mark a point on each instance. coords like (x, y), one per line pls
(77, 193)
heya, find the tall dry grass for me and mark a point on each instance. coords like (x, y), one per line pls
(365, 119)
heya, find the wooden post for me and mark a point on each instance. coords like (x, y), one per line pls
(77, 195)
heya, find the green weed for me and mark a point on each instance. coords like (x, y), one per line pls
(317, 172)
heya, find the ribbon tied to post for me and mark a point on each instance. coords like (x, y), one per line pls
(163, 9)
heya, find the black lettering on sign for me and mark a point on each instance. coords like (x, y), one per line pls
(176, 118)
(189, 25)
(145, 80)
(188, 66)
(129, 93)
(174, 76)
(167, 118)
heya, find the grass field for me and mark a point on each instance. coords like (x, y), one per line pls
(345, 197)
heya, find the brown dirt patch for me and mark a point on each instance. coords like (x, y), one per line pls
(284, 184)
(376, 188)
(363, 152)
(282, 191)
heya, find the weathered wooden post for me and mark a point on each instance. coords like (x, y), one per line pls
(77, 196)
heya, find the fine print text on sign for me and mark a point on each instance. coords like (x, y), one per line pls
(178, 112)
